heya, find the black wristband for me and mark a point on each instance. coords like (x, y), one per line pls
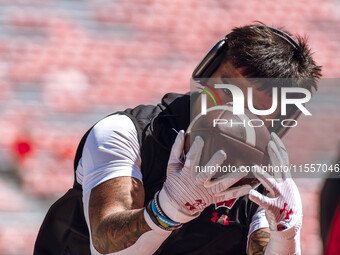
(159, 209)
(155, 220)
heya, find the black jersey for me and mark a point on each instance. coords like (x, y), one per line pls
(220, 229)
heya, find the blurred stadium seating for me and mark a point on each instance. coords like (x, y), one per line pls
(66, 64)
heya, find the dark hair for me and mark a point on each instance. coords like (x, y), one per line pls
(259, 52)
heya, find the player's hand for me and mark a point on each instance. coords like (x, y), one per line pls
(186, 193)
(282, 204)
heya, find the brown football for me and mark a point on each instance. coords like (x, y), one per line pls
(241, 137)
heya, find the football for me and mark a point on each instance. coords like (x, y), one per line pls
(241, 137)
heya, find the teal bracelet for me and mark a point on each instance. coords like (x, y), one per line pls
(153, 217)
(163, 219)
(159, 209)
(157, 220)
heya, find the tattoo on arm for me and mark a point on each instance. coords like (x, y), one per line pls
(117, 214)
(258, 241)
(120, 231)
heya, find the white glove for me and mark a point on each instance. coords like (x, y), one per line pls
(185, 194)
(282, 204)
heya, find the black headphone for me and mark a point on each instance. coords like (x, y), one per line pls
(213, 59)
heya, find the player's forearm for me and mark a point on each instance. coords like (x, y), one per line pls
(258, 241)
(119, 230)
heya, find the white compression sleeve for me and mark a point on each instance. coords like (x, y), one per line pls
(111, 150)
